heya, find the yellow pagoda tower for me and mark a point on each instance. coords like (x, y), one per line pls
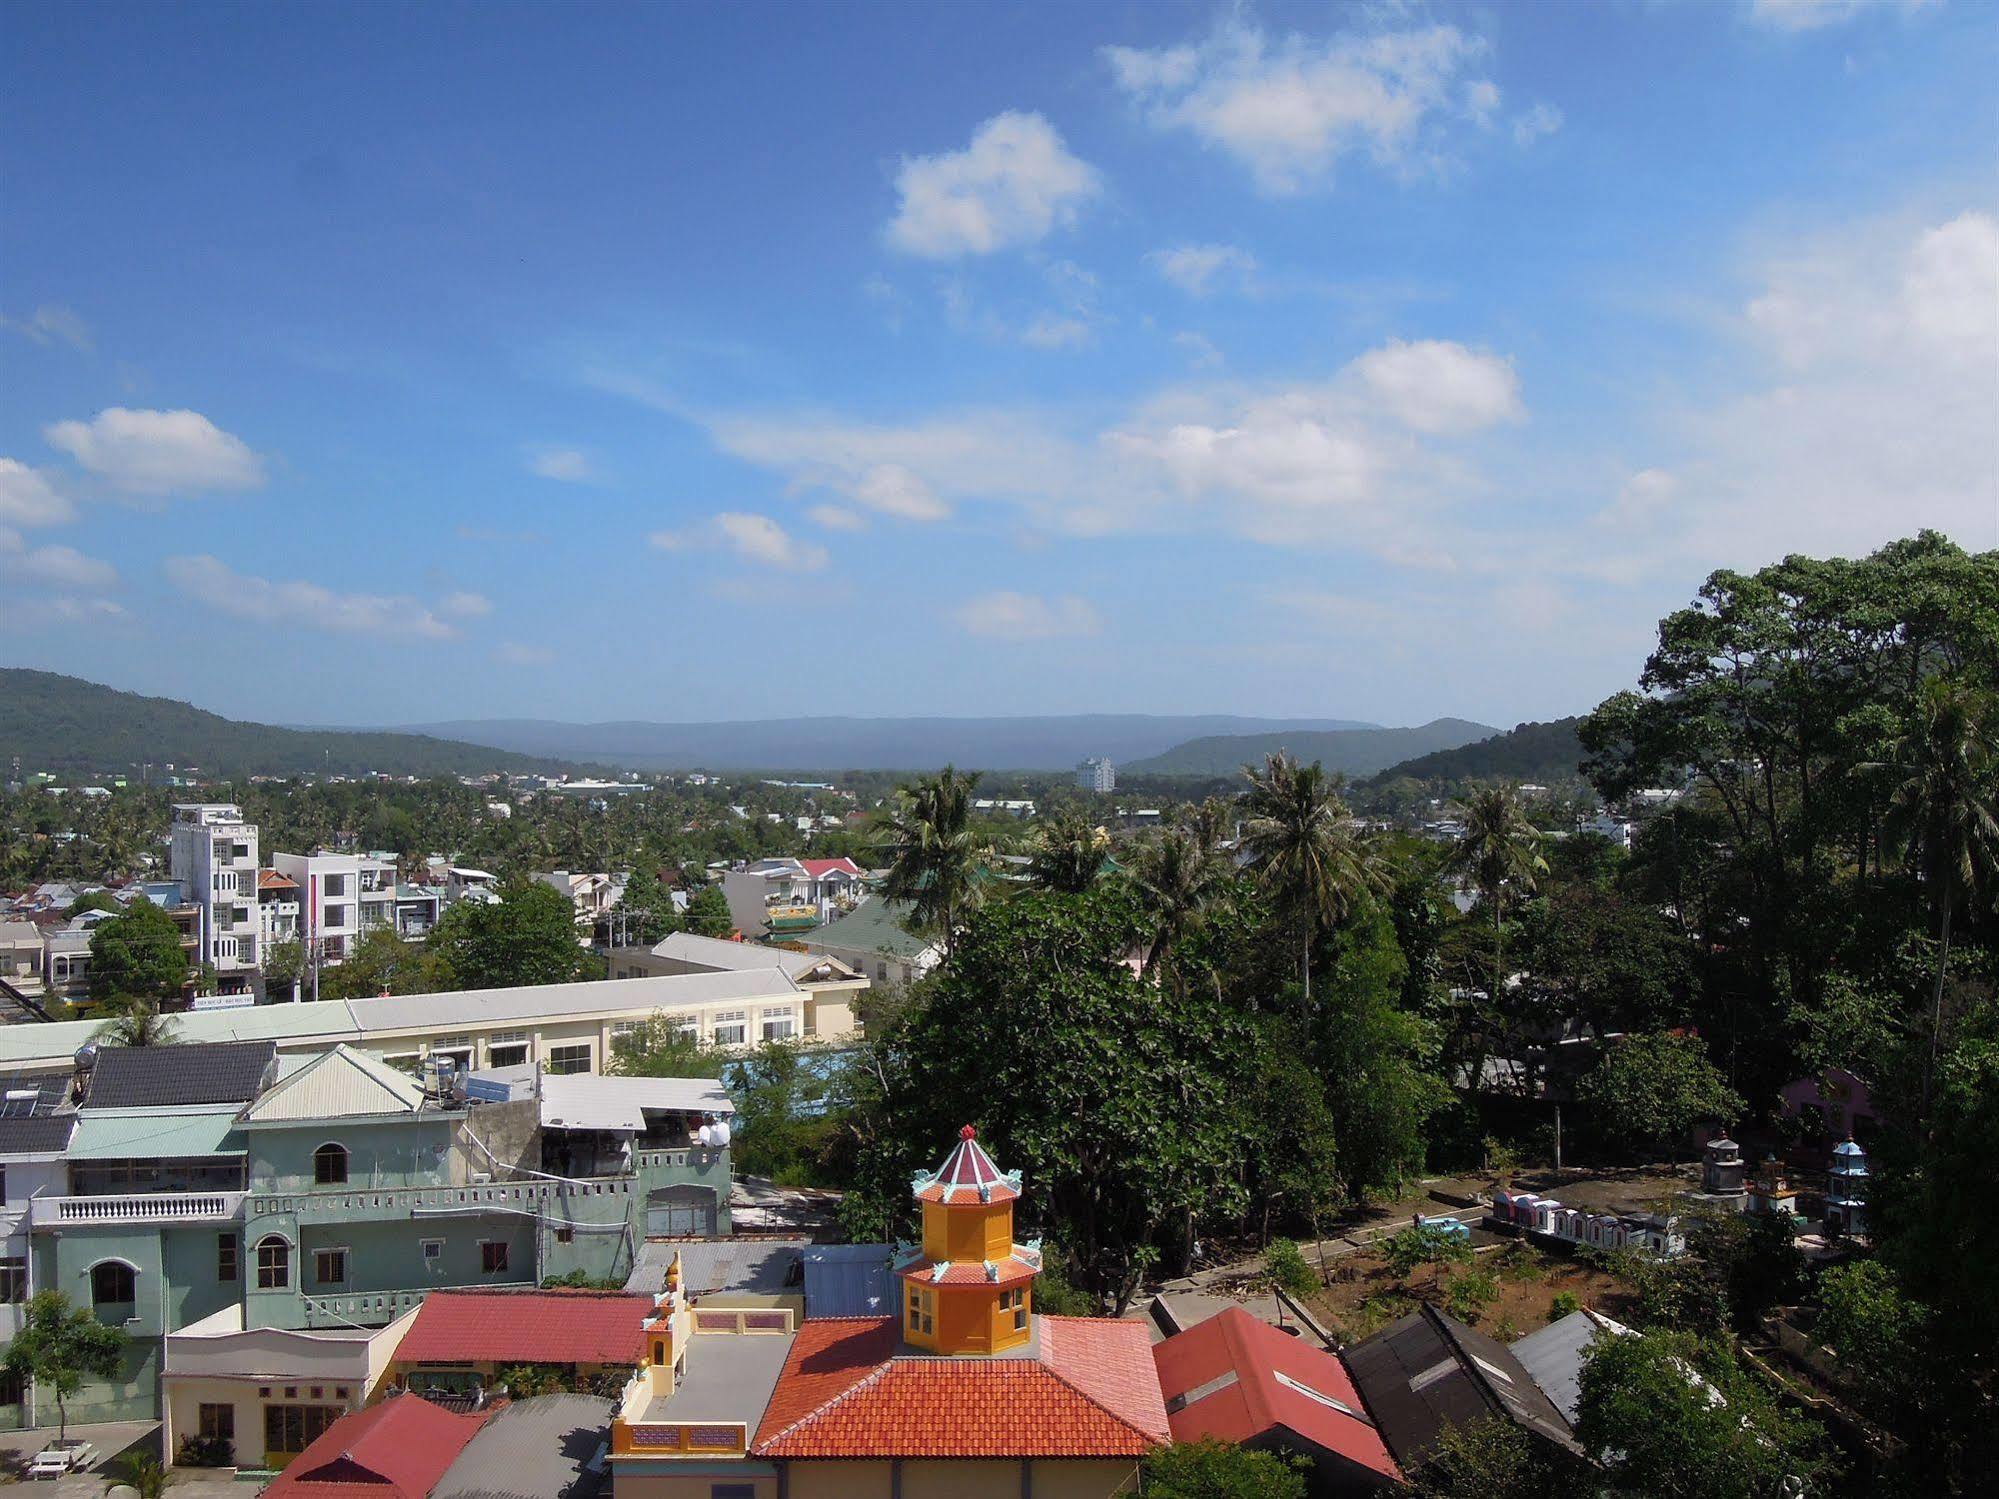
(969, 1290)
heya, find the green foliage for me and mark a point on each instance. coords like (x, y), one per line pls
(708, 913)
(1492, 1458)
(380, 962)
(1287, 1268)
(528, 938)
(525, 1381)
(1425, 1245)
(136, 1022)
(939, 861)
(659, 1048)
(1069, 852)
(645, 913)
(1054, 1296)
(137, 956)
(146, 1474)
(1671, 1415)
(1545, 753)
(1468, 1293)
(1647, 1092)
(198, 1451)
(1220, 1470)
(779, 1132)
(284, 964)
(579, 1280)
(59, 1346)
(1122, 1104)
(1564, 1304)
(93, 900)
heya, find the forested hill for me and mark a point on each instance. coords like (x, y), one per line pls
(1356, 752)
(1542, 752)
(68, 725)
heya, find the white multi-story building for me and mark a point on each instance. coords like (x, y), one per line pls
(341, 897)
(1097, 774)
(215, 856)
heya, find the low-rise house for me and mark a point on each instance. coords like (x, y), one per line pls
(1235, 1378)
(830, 987)
(399, 1449)
(22, 949)
(463, 1342)
(1427, 1371)
(874, 941)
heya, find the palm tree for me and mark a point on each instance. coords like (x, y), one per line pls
(937, 861)
(137, 1022)
(1500, 850)
(1304, 850)
(1069, 852)
(1945, 817)
(1183, 879)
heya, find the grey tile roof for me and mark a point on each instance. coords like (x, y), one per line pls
(533, 1449)
(198, 1072)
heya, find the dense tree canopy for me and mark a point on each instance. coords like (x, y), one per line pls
(529, 937)
(137, 956)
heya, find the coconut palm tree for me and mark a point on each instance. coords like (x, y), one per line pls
(1069, 851)
(1305, 851)
(938, 862)
(1500, 852)
(1183, 880)
(137, 1022)
(1944, 816)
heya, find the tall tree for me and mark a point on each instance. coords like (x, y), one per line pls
(1069, 852)
(529, 937)
(939, 861)
(1944, 816)
(1499, 852)
(1182, 880)
(645, 913)
(1305, 851)
(137, 956)
(708, 913)
(1648, 1091)
(59, 1346)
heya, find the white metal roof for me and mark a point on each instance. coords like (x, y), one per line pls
(339, 1084)
(717, 953)
(584, 1100)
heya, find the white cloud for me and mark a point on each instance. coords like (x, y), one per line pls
(28, 499)
(59, 566)
(1352, 460)
(1200, 350)
(1005, 615)
(754, 538)
(1052, 330)
(565, 465)
(158, 452)
(1193, 268)
(1810, 15)
(1530, 126)
(1290, 108)
(1013, 185)
(1873, 360)
(465, 605)
(837, 518)
(1482, 101)
(1644, 499)
(82, 611)
(1434, 386)
(513, 653)
(301, 604)
(52, 323)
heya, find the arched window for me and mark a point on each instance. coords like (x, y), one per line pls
(329, 1165)
(113, 1283)
(274, 1263)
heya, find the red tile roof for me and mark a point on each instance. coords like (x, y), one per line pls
(538, 1327)
(818, 869)
(1087, 1390)
(396, 1450)
(1227, 1370)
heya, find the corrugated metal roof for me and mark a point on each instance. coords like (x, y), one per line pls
(357, 1020)
(584, 1100)
(339, 1084)
(1554, 1355)
(150, 1134)
(850, 1280)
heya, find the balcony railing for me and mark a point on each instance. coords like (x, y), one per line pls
(309, 1201)
(146, 1207)
(345, 1308)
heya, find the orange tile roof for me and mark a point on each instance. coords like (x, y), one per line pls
(1087, 1391)
(1012, 1271)
(527, 1327)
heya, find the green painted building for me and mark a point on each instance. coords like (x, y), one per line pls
(332, 1191)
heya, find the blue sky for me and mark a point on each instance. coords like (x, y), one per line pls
(375, 364)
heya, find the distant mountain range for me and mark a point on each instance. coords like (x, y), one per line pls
(70, 726)
(1543, 752)
(827, 744)
(1354, 749)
